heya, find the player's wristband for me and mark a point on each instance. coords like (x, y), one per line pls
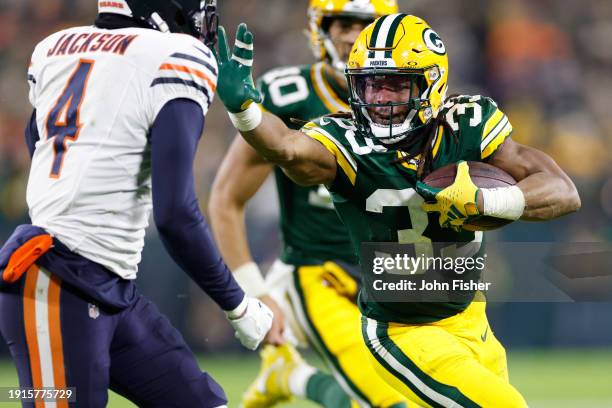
(503, 202)
(248, 119)
(249, 277)
(239, 311)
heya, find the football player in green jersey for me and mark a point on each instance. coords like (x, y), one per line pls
(402, 126)
(312, 287)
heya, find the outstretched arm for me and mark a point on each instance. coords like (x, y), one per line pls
(549, 192)
(184, 231)
(304, 160)
(176, 210)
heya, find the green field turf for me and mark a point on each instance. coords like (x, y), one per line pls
(560, 379)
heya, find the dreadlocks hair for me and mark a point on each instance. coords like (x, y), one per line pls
(426, 153)
(340, 115)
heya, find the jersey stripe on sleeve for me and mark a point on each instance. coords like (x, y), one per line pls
(495, 131)
(343, 158)
(193, 84)
(195, 72)
(208, 66)
(194, 68)
(30, 76)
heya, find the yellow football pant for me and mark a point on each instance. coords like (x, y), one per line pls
(322, 297)
(455, 362)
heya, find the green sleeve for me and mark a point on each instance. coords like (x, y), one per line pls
(479, 124)
(332, 136)
(496, 128)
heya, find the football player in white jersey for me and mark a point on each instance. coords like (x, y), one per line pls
(118, 112)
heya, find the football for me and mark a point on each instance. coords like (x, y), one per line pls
(484, 176)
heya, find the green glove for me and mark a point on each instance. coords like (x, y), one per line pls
(235, 84)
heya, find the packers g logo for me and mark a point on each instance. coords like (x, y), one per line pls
(434, 42)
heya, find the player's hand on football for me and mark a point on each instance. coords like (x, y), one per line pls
(251, 320)
(235, 85)
(456, 203)
(276, 335)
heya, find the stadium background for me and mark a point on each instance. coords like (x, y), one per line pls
(548, 63)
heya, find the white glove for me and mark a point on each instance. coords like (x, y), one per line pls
(251, 320)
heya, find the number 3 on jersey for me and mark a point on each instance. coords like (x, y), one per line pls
(63, 119)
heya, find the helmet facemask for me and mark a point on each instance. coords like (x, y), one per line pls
(197, 18)
(407, 51)
(209, 22)
(389, 104)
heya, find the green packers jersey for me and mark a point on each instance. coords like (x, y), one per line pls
(310, 227)
(376, 199)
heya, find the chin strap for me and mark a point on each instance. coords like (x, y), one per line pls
(332, 55)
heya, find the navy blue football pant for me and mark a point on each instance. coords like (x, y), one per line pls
(58, 337)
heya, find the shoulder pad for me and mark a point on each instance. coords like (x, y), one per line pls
(189, 70)
(467, 110)
(478, 121)
(331, 132)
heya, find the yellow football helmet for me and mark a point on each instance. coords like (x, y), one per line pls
(398, 76)
(320, 13)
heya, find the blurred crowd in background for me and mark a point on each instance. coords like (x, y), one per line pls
(548, 64)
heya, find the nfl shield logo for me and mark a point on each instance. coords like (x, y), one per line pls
(94, 312)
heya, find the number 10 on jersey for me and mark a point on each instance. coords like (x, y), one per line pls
(63, 120)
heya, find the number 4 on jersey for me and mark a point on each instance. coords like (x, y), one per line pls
(63, 119)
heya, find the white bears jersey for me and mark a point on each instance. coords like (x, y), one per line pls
(96, 93)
